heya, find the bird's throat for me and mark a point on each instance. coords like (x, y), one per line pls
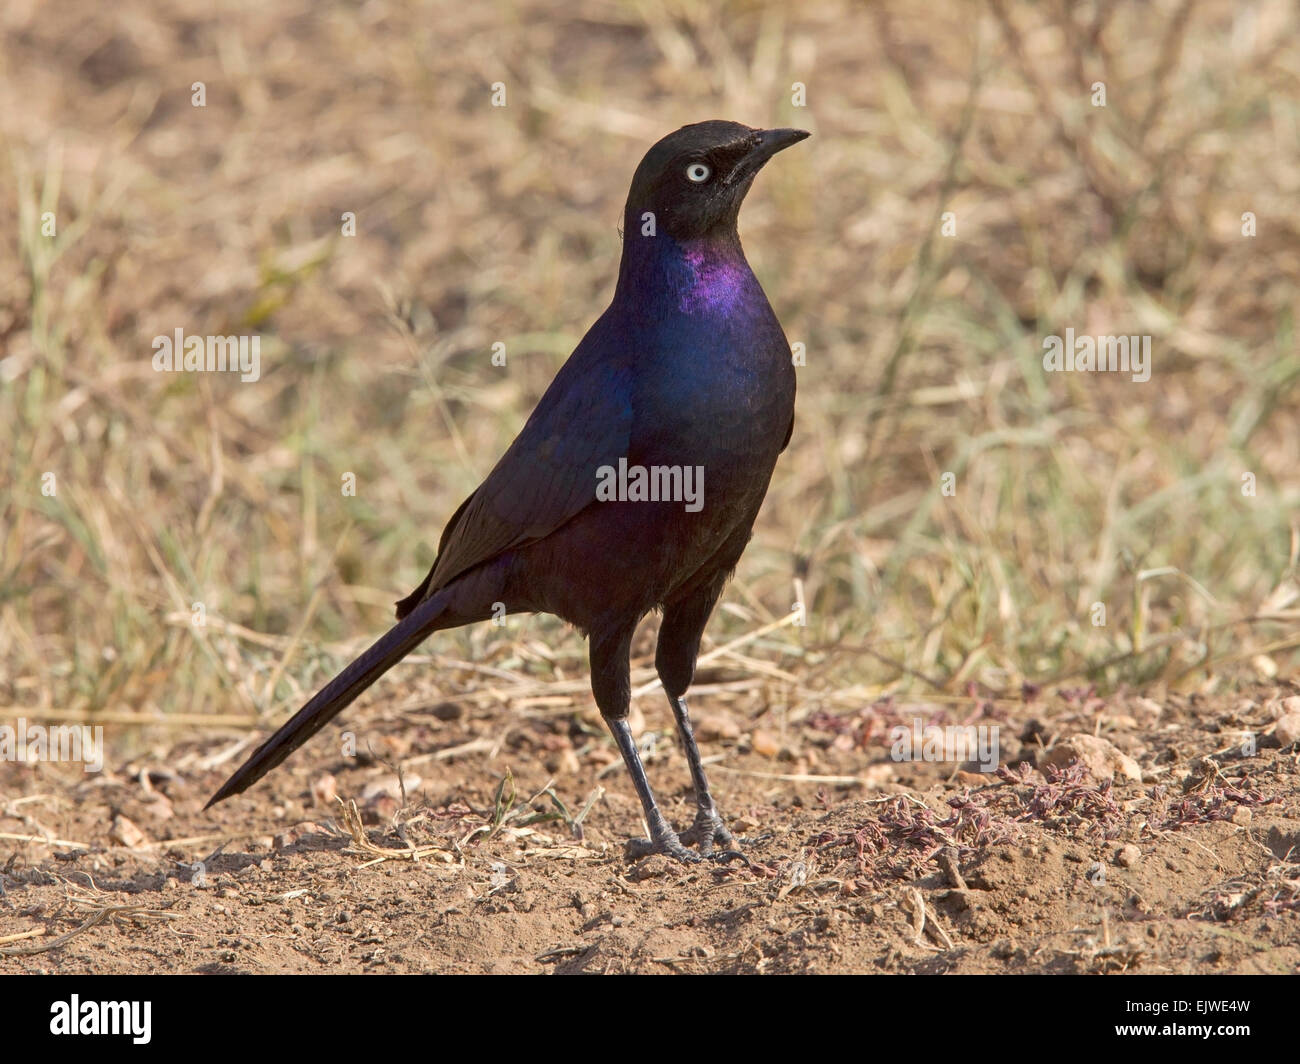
(697, 278)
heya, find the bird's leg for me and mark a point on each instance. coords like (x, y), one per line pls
(708, 827)
(663, 839)
(679, 646)
(612, 685)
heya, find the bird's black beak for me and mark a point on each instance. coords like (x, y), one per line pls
(767, 143)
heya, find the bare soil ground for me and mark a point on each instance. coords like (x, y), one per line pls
(915, 867)
(196, 552)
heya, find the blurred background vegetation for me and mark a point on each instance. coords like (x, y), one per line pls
(478, 224)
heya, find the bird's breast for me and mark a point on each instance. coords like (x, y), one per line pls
(719, 397)
(710, 288)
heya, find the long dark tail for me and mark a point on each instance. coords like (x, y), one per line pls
(337, 695)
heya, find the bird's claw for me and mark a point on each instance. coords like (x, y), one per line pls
(706, 830)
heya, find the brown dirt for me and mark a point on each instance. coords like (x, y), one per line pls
(933, 868)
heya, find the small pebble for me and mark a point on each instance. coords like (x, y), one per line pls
(325, 789)
(125, 833)
(712, 726)
(1287, 730)
(653, 867)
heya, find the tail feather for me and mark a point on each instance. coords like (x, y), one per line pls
(336, 695)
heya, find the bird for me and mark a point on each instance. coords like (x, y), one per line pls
(635, 484)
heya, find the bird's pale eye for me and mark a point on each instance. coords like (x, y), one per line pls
(698, 173)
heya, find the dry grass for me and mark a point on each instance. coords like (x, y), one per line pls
(478, 224)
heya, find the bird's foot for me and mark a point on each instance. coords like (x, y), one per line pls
(666, 841)
(707, 830)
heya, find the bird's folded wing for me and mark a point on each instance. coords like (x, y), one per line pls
(549, 473)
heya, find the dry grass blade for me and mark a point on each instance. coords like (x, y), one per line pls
(798, 777)
(94, 920)
(361, 843)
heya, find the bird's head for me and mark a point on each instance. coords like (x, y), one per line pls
(694, 180)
